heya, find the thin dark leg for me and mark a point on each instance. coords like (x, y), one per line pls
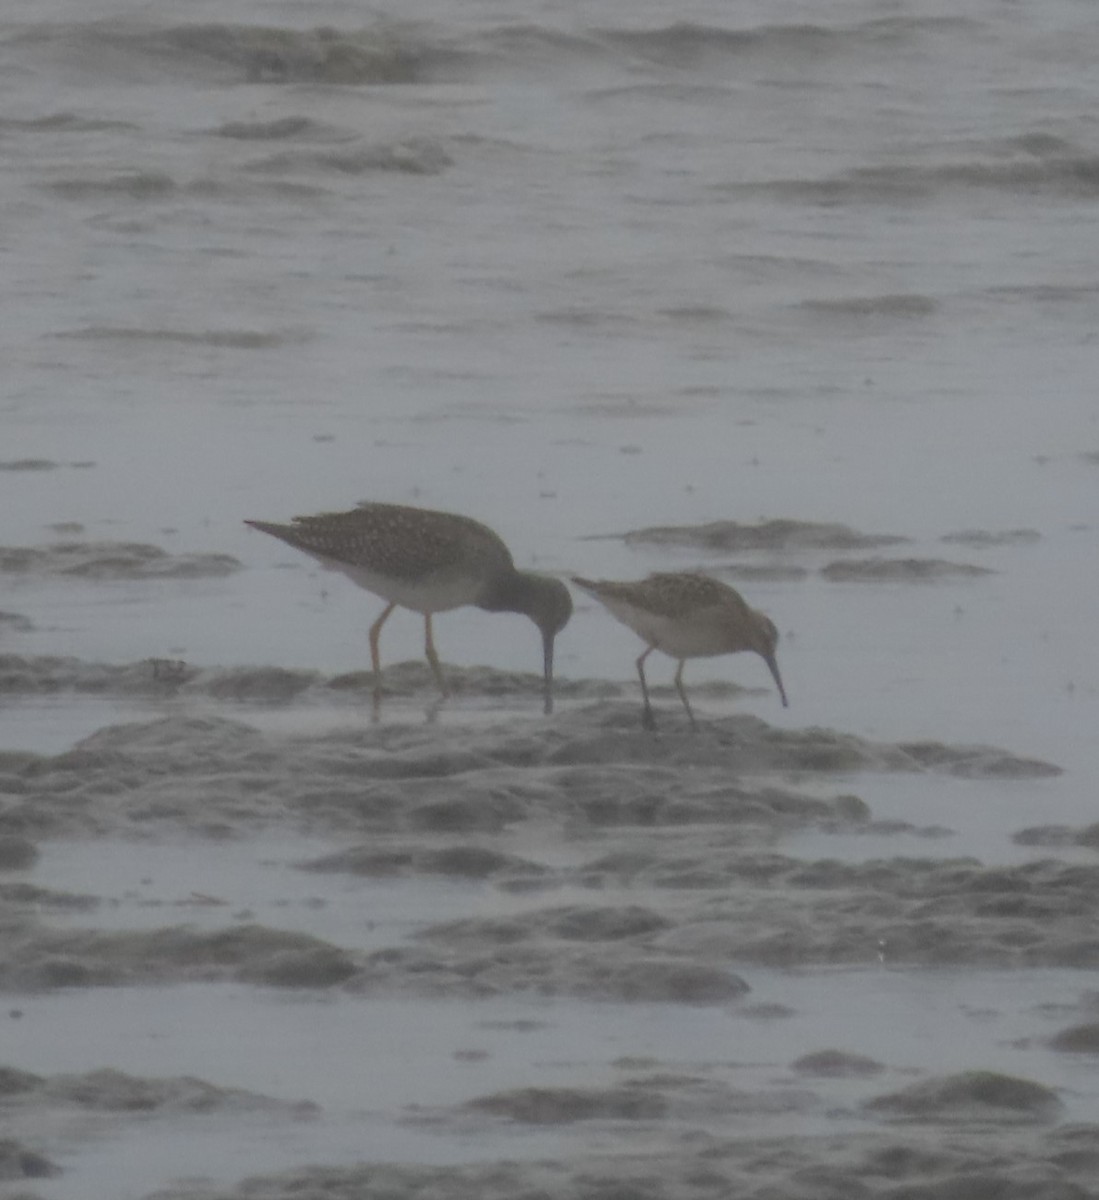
(683, 694)
(432, 657)
(648, 719)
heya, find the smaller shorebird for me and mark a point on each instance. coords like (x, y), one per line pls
(686, 615)
(429, 562)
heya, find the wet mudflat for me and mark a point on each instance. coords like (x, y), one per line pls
(790, 293)
(257, 945)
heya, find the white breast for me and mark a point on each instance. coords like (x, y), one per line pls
(440, 593)
(699, 636)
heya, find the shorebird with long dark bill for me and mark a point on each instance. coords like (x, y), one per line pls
(687, 615)
(429, 562)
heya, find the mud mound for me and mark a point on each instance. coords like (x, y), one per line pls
(979, 538)
(114, 1091)
(593, 766)
(1058, 835)
(462, 862)
(247, 953)
(837, 1064)
(562, 1106)
(900, 570)
(763, 535)
(18, 1161)
(151, 678)
(1018, 1163)
(1079, 1039)
(112, 560)
(971, 1096)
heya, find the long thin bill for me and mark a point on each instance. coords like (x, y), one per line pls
(770, 661)
(547, 657)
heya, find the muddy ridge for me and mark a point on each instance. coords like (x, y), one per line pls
(1023, 1162)
(900, 570)
(112, 561)
(779, 534)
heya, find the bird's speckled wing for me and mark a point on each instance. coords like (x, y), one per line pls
(395, 540)
(669, 595)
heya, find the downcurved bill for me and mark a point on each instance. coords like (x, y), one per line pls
(547, 659)
(769, 659)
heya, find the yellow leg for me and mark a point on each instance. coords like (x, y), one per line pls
(432, 657)
(683, 694)
(376, 663)
(375, 657)
(647, 717)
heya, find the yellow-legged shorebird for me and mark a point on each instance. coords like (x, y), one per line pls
(429, 562)
(686, 615)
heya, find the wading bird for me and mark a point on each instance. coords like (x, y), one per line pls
(429, 562)
(686, 615)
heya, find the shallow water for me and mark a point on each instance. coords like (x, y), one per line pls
(423, 1058)
(577, 274)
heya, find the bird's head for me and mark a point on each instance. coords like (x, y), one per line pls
(554, 605)
(545, 600)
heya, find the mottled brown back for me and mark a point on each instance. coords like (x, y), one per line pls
(396, 540)
(672, 595)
